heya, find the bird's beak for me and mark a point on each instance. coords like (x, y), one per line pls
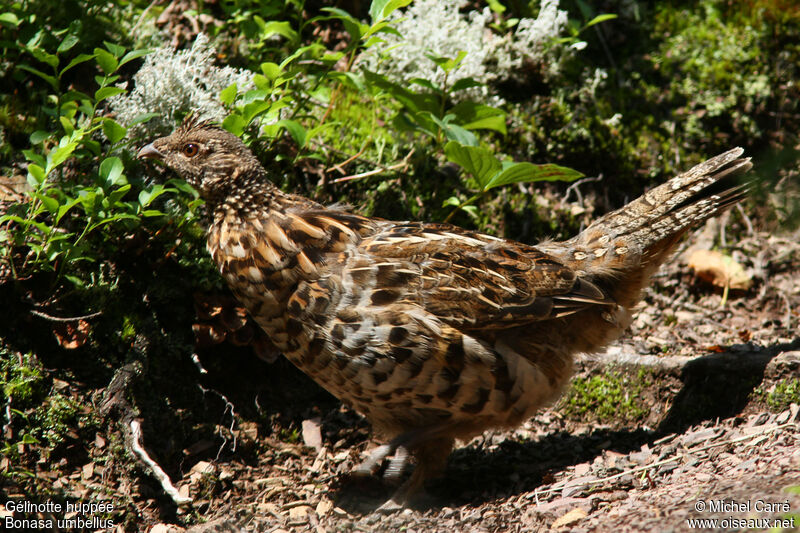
(150, 152)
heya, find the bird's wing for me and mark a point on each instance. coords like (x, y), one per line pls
(466, 280)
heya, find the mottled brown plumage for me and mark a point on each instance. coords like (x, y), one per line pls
(430, 331)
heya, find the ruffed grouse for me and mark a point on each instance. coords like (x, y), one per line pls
(430, 331)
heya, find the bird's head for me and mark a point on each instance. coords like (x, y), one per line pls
(209, 158)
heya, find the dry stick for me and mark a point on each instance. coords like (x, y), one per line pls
(401, 164)
(342, 152)
(156, 470)
(665, 461)
(347, 161)
(60, 319)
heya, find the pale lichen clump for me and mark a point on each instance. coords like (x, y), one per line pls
(172, 83)
(438, 28)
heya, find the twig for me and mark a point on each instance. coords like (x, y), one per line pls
(574, 187)
(64, 319)
(669, 460)
(156, 470)
(342, 152)
(198, 364)
(401, 165)
(338, 166)
(228, 406)
(142, 16)
(747, 221)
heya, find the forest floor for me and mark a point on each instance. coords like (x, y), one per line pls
(693, 415)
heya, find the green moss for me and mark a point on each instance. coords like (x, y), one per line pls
(22, 378)
(611, 396)
(785, 392)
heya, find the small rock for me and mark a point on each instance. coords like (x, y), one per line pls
(795, 458)
(312, 434)
(559, 503)
(299, 512)
(582, 469)
(703, 477)
(757, 420)
(570, 518)
(203, 467)
(641, 457)
(701, 435)
(166, 528)
(324, 507)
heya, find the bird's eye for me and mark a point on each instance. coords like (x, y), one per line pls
(190, 149)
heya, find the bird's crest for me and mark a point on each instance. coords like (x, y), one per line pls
(193, 121)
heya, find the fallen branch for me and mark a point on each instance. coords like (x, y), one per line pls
(401, 165)
(64, 319)
(157, 471)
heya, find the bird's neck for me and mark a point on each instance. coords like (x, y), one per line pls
(249, 197)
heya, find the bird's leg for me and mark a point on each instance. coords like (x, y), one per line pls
(372, 464)
(397, 464)
(431, 462)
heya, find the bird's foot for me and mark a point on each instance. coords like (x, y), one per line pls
(395, 468)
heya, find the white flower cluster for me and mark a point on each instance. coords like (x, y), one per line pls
(437, 27)
(175, 82)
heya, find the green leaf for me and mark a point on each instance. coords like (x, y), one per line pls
(106, 60)
(428, 84)
(146, 197)
(496, 6)
(527, 172)
(297, 131)
(452, 131)
(114, 131)
(67, 124)
(282, 28)
(49, 203)
(68, 42)
(60, 154)
(44, 57)
(350, 79)
(38, 136)
(445, 63)
(271, 70)
(472, 116)
(600, 18)
(117, 194)
(37, 173)
(64, 208)
(115, 49)
(111, 171)
(479, 162)
(380, 9)
(46, 77)
(9, 18)
(107, 92)
(134, 54)
(453, 200)
(351, 25)
(34, 157)
(144, 117)
(77, 60)
(465, 83)
(228, 94)
(235, 123)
